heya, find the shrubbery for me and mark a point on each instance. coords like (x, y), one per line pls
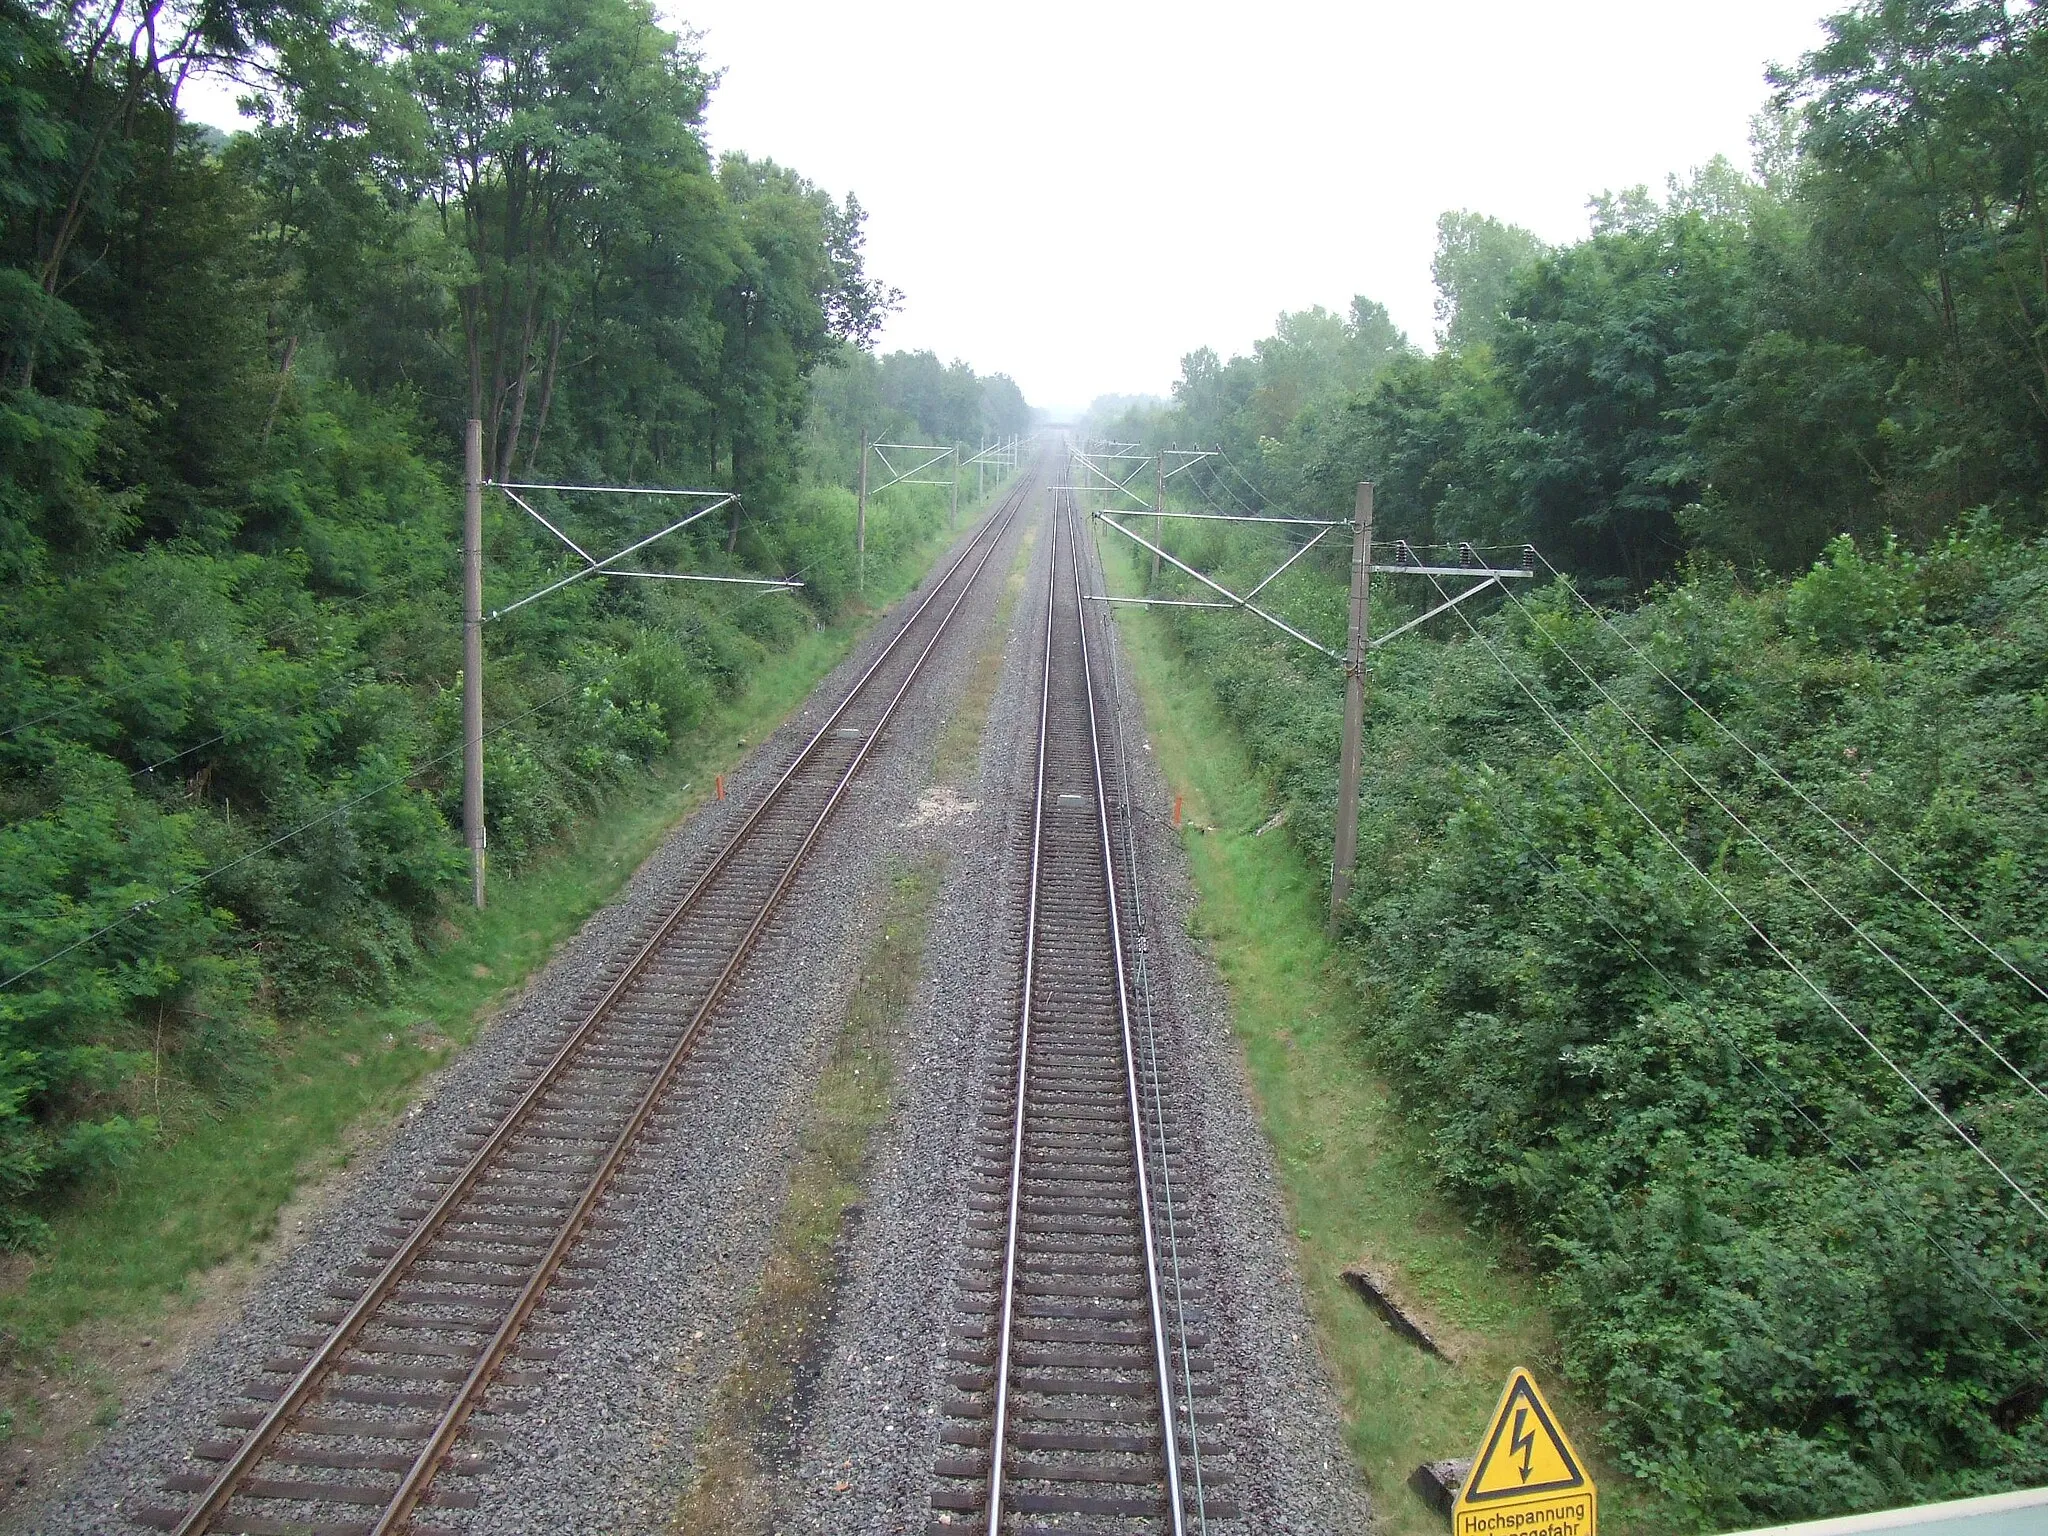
(233, 380)
(292, 721)
(1794, 1290)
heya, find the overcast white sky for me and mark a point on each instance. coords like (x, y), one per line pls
(1078, 193)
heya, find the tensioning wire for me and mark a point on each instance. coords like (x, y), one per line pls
(1750, 923)
(1783, 863)
(1261, 495)
(1792, 1103)
(1811, 804)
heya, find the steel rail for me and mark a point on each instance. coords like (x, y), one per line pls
(412, 1488)
(1007, 1309)
(276, 1420)
(1170, 1437)
(1006, 1312)
(1143, 986)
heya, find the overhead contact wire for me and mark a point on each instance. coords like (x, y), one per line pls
(1793, 1104)
(1783, 863)
(1811, 804)
(1750, 923)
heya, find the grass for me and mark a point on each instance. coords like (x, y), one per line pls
(1354, 1173)
(149, 1253)
(744, 1449)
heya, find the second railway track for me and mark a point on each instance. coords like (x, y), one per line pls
(1083, 1394)
(354, 1435)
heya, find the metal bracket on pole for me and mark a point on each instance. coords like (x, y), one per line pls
(906, 477)
(1359, 644)
(608, 566)
(1445, 607)
(1216, 586)
(473, 618)
(1092, 464)
(997, 455)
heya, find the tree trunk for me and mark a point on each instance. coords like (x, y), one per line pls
(284, 377)
(511, 446)
(547, 395)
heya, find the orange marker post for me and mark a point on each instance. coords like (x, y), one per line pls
(1176, 810)
(718, 785)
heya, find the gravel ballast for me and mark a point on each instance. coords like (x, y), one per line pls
(599, 1442)
(600, 1438)
(865, 1451)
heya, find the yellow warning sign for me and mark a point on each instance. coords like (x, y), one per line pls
(1526, 1480)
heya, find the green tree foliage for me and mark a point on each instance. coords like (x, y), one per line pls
(1851, 341)
(1476, 260)
(233, 376)
(1796, 421)
(1276, 410)
(1795, 1291)
(949, 403)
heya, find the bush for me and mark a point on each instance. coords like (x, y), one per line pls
(1794, 1291)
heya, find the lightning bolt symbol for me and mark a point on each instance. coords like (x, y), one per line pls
(1525, 1443)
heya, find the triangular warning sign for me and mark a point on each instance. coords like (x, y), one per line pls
(1524, 1452)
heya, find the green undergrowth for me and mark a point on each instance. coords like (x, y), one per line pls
(140, 1248)
(1355, 1174)
(1795, 1291)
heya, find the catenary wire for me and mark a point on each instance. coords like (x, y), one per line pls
(1261, 495)
(1733, 906)
(1783, 863)
(1771, 768)
(1793, 1104)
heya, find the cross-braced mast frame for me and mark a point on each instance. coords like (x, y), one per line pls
(1359, 644)
(701, 505)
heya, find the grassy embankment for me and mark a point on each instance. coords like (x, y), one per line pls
(1356, 1177)
(184, 1226)
(740, 1453)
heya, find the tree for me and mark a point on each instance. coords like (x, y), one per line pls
(541, 109)
(1925, 146)
(1476, 260)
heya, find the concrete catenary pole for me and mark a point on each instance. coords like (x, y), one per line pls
(860, 518)
(473, 654)
(1354, 706)
(953, 506)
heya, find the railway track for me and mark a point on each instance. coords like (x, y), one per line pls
(358, 1433)
(1078, 1350)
